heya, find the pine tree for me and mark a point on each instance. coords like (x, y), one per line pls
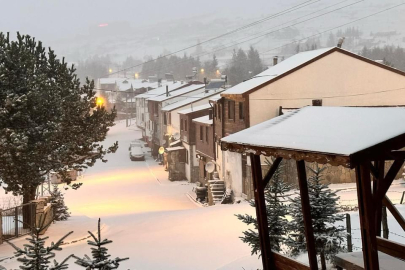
(324, 213)
(61, 211)
(100, 257)
(276, 209)
(48, 120)
(35, 255)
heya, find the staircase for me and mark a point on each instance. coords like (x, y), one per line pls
(216, 189)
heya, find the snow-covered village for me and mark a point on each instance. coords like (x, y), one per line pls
(202, 135)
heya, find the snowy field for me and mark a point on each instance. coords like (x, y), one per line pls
(155, 223)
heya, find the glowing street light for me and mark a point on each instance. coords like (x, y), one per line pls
(110, 70)
(218, 72)
(136, 75)
(202, 70)
(99, 101)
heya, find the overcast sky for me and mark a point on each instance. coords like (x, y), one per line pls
(55, 19)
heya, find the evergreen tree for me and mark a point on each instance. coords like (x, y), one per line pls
(61, 211)
(35, 255)
(100, 257)
(276, 209)
(324, 214)
(48, 121)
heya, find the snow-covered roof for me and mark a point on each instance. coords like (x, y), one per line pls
(195, 109)
(275, 71)
(161, 90)
(340, 131)
(190, 100)
(124, 84)
(216, 97)
(204, 120)
(182, 91)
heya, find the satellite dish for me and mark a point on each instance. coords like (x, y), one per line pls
(161, 150)
(176, 136)
(210, 167)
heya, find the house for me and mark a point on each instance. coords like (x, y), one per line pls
(328, 77)
(188, 138)
(179, 127)
(142, 108)
(160, 119)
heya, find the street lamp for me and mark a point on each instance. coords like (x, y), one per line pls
(110, 70)
(99, 101)
(136, 75)
(202, 71)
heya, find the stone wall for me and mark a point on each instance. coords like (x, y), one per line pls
(44, 213)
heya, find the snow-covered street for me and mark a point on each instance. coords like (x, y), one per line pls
(155, 223)
(150, 219)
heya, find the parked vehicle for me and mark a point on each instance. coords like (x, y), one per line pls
(136, 152)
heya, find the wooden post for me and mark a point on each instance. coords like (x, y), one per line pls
(349, 233)
(366, 215)
(306, 211)
(402, 198)
(1, 226)
(385, 223)
(16, 221)
(261, 213)
(377, 187)
(394, 211)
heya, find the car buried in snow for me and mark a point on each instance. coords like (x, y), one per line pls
(136, 151)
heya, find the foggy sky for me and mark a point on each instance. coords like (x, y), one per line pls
(56, 19)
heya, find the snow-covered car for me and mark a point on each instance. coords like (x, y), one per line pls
(136, 151)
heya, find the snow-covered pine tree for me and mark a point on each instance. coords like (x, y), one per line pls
(276, 209)
(329, 237)
(35, 255)
(100, 257)
(61, 211)
(48, 120)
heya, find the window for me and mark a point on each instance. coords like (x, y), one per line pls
(231, 109)
(201, 133)
(181, 124)
(215, 111)
(164, 119)
(170, 118)
(206, 134)
(241, 112)
(185, 124)
(219, 111)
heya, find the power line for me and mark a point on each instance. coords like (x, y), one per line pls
(321, 33)
(301, 5)
(232, 44)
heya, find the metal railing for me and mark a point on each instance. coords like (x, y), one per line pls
(18, 221)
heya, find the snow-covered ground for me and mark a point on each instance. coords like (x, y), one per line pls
(155, 223)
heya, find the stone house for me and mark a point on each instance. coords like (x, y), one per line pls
(327, 77)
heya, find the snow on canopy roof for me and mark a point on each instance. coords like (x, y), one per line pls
(161, 90)
(195, 109)
(203, 120)
(340, 131)
(125, 83)
(216, 97)
(179, 92)
(190, 100)
(275, 71)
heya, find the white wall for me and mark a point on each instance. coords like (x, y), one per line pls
(334, 75)
(233, 172)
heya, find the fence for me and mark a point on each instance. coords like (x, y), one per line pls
(17, 221)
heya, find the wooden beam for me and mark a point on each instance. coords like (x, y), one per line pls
(263, 227)
(391, 248)
(394, 211)
(286, 263)
(377, 185)
(306, 211)
(366, 215)
(271, 171)
(391, 174)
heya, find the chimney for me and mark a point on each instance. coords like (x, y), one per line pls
(210, 114)
(340, 43)
(275, 60)
(167, 90)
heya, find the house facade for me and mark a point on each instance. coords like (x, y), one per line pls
(332, 77)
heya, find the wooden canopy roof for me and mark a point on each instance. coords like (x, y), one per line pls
(335, 135)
